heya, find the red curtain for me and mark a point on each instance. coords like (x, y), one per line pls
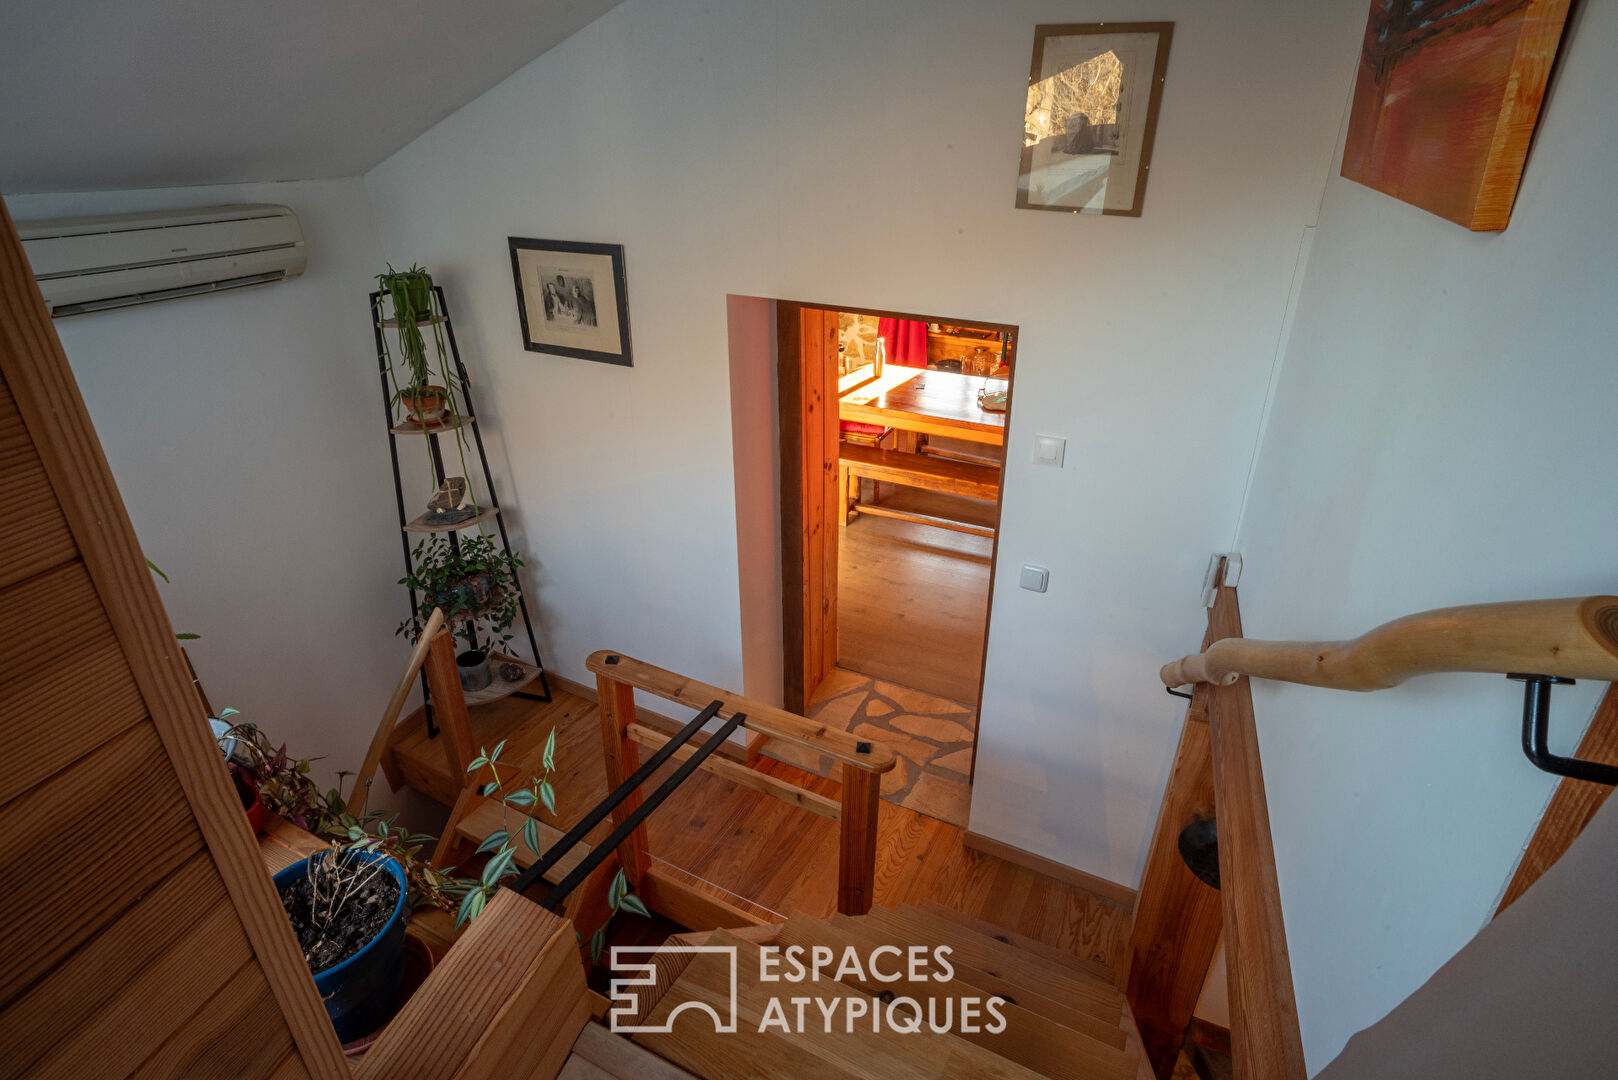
(905, 341)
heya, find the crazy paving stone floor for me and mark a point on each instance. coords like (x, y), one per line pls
(931, 736)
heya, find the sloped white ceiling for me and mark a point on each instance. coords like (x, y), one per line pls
(102, 94)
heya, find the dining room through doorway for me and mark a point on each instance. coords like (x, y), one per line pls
(892, 431)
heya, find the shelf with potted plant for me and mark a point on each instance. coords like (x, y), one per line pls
(426, 393)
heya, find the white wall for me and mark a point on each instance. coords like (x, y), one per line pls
(245, 433)
(866, 154)
(1442, 434)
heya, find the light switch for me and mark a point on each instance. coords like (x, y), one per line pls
(1034, 578)
(1049, 450)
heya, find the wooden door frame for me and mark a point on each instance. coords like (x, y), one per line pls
(790, 408)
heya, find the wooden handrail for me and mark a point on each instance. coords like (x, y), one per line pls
(1575, 638)
(390, 714)
(764, 719)
(619, 676)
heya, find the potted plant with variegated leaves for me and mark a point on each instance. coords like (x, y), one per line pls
(501, 844)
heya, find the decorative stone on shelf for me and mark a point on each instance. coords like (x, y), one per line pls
(451, 504)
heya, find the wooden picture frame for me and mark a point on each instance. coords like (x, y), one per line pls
(572, 298)
(1090, 116)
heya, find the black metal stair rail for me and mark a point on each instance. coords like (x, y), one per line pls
(437, 457)
(602, 851)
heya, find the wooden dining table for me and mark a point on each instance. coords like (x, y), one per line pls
(933, 402)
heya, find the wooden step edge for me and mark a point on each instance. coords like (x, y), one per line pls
(1010, 955)
(755, 1051)
(618, 1056)
(487, 816)
(1050, 997)
(1088, 965)
(1037, 1041)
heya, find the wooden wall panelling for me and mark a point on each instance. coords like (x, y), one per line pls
(157, 1002)
(239, 1034)
(39, 380)
(57, 702)
(33, 533)
(48, 1011)
(1264, 1033)
(1177, 917)
(1573, 805)
(91, 884)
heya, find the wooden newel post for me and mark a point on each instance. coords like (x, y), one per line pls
(856, 850)
(623, 758)
(449, 704)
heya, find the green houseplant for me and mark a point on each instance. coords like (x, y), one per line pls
(475, 582)
(502, 843)
(410, 292)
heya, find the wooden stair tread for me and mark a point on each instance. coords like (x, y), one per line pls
(1098, 1019)
(748, 1053)
(1088, 965)
(487, 816)
(599, 1053)
(1029, 1039)
(1001, 941)
(1075, 989)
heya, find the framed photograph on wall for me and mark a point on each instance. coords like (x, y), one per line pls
(572, 298)
(1093, 94)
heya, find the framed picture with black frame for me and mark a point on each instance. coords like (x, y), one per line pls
(572, 298)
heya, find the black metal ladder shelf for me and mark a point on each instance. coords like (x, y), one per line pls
(409, 526)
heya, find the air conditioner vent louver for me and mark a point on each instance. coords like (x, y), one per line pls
(93, 264)
(108, 304)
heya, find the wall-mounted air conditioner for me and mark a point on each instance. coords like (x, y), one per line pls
(96, 263)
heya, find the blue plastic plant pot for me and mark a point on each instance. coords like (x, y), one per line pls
(362, 992)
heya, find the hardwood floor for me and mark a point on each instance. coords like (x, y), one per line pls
(912, 599)
(775, 855)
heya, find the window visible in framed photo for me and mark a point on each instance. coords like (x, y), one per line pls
(572, 298)
(1093, 94)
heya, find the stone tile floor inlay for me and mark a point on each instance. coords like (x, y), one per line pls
(931, 735)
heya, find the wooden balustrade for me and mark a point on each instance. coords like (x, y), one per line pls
(862, 763)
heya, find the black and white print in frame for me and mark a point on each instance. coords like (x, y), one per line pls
(572, 298)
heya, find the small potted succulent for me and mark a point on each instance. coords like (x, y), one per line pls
(475, 582)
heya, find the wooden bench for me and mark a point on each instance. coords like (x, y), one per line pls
(945, 475)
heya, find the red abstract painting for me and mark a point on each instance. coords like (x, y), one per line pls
(1446, 101)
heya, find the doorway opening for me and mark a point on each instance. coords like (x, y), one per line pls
(892, 436)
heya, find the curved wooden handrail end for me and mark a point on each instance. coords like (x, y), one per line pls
(1575, 638)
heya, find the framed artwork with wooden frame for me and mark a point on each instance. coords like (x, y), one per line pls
(572, 298)
(1094, 90)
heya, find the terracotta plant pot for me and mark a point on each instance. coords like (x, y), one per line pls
(247, 788)
(425, 404)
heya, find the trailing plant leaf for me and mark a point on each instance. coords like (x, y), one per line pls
(530, 835)
(493, 841)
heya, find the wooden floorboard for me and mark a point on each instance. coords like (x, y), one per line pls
(913, 600)
(776, 855)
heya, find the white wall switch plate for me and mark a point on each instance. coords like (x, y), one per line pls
(1049, 450)
(1034, 578)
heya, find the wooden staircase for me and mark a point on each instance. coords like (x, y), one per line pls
(1064, 1017)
